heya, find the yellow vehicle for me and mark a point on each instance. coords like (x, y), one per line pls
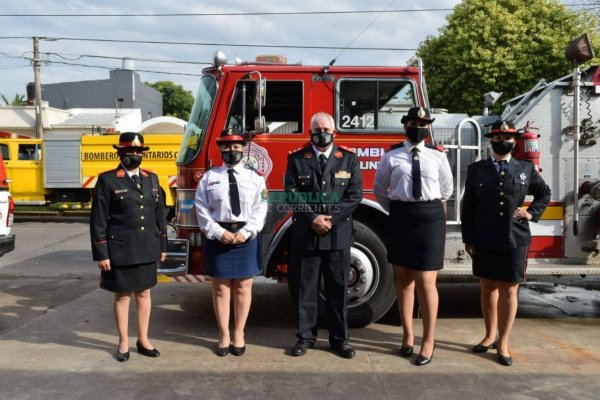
(65, 167)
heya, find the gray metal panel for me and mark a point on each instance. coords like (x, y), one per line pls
(62, 162)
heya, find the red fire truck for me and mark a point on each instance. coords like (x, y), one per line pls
(273, 103)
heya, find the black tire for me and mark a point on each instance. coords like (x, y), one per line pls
(378, 294)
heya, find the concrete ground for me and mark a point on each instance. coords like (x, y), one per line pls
(57, 340)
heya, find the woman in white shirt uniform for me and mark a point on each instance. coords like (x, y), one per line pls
(231, 206)
(412, 183)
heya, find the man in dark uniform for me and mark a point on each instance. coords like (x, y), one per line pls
(128, 233)
(495, 230)
(324, 186)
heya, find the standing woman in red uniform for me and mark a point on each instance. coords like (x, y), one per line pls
(495, 230)
(231, 206)
(412, 182)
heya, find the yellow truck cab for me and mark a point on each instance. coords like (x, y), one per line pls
(65, 167)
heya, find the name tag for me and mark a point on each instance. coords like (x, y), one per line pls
(343, 175)
(117, 191)
(213, 183)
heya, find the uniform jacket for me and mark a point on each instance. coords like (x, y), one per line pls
(489, 203)
(127, 224)
(336, 192)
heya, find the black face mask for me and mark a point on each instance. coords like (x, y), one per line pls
(416, 134)
(321, 139)
(131, 161)
(232, 157)
(503, 147)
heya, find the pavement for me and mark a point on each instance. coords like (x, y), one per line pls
(58, 340)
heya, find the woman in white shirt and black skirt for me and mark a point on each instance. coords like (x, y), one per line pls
(412, 183)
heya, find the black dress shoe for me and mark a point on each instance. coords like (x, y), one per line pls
(300, 348)
(122, 357)
(238, 351)
(146, 352)
(420, 360)
(482, 348)
(506, 361)
(406, 351)
(344, 350)
(222, 351)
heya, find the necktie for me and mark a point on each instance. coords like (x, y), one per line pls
(502, 167)
(137, 180)
(234, 194)
(416, 174)
(322, 162)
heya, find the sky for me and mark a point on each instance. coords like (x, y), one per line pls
(87, 59)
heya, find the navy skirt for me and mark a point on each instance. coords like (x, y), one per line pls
(231, 261)
(416, 234)
(129, 278)
(501, 265)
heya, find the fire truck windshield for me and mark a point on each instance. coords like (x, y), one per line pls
(197, 125)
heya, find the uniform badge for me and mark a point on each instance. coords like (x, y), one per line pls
(504, 127)
(421, 112)
(338, 154)
(523, 176)
(136, 142)
(264, 195)
(120, 173)
(308, 155)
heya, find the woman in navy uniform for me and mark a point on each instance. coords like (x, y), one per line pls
(231, 205)
(128, 233)
(495, 230)
(412, 183)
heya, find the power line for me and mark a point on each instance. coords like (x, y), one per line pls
(154, 60)
(111, 68)
(280, 46)
(234, 14)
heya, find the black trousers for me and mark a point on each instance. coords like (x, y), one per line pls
(306, 269)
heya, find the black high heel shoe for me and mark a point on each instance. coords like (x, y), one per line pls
(406, 351)
(122, 357)
(482, 348)
(146, 352)
(506, 361)
(222, 351)
(420, 360)
(238, 351)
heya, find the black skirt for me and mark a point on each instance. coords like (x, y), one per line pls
(129, 278)
(501, 265)
(416, 234)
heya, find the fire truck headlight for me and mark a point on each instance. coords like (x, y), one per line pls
(219, 59)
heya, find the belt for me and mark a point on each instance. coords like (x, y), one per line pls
(232, 226)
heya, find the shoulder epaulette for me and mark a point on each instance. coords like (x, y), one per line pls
(348, 149)
(436, 146)
(145, 172)
(299, 149)
(394, 146)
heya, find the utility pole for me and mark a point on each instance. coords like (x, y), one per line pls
(38, 87)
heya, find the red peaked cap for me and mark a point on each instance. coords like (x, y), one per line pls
(229, 136)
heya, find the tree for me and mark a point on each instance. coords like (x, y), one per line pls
(18, 100)
(504, 46)
(177, 102)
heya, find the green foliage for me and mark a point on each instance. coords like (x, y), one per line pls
(177, 102)
(18, 100)
(500, 45)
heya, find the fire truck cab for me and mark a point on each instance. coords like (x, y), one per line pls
(273, 104)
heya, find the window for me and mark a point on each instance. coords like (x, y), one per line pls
(282, 111)
(373, 105)
(29, 152)
(5, 152)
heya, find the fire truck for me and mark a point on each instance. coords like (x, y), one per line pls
(64, 168)
(273, 103)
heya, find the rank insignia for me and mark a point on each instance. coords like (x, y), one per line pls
(523, 176)
(264, 194)
(338, 154)
(308, 155)
(120, 173)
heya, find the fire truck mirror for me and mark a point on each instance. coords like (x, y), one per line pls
(260, 94)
